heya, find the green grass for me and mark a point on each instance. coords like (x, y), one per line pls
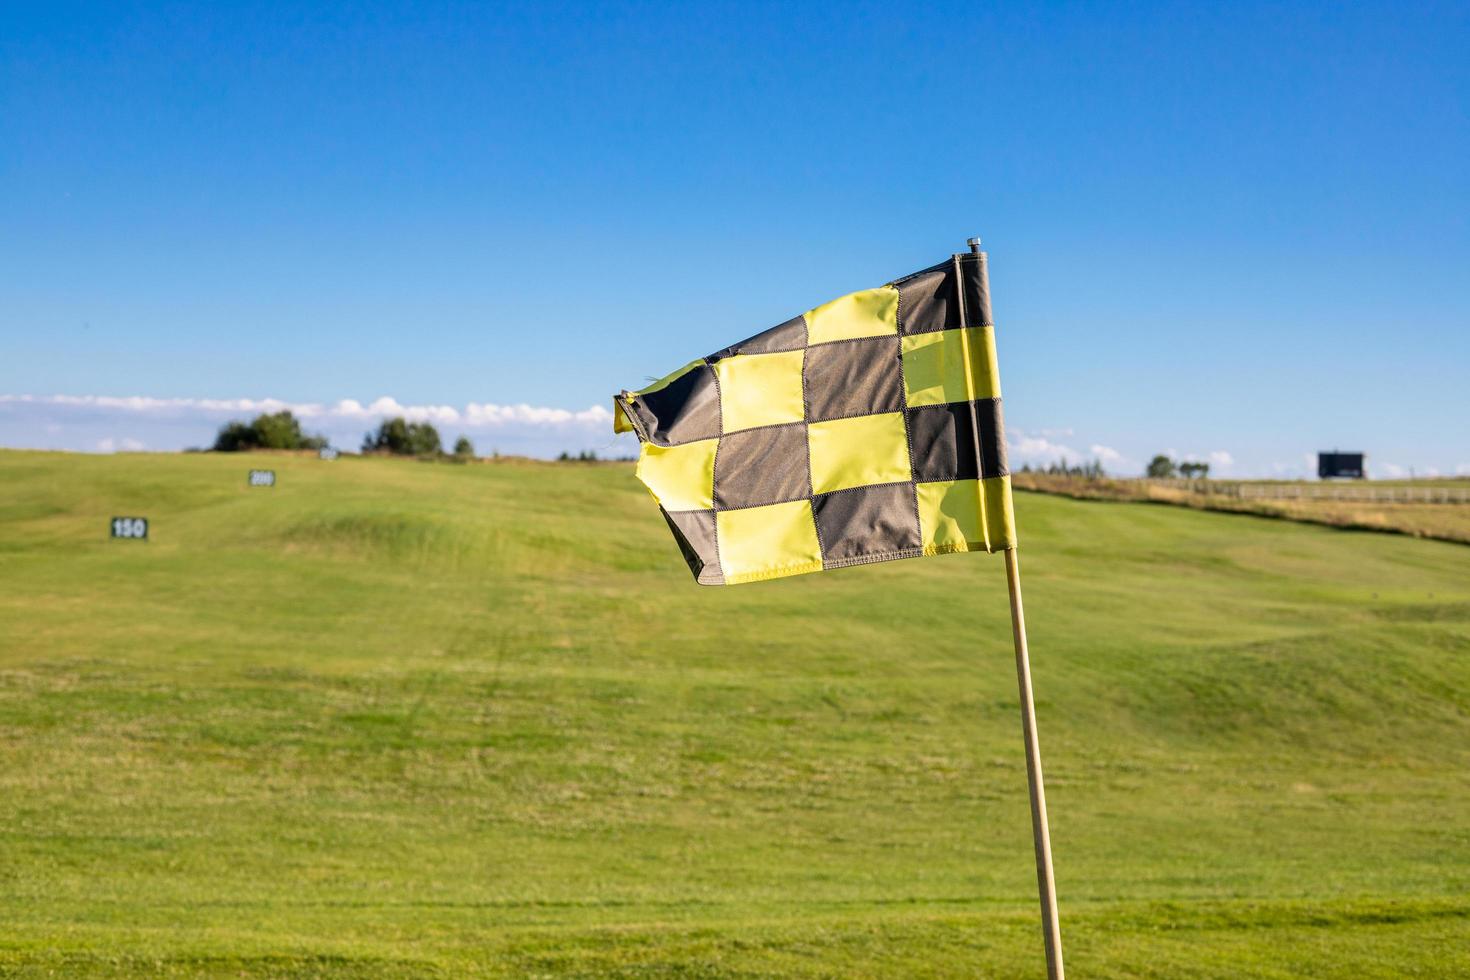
(404, 719)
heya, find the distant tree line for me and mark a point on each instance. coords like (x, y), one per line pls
(590, 456)
(282, 430)
(399, 437)
(1089, 471)
(1161, 467)
(279, 430)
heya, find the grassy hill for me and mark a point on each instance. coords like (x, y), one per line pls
(405, 719)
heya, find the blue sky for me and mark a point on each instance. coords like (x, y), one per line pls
(1217, 229)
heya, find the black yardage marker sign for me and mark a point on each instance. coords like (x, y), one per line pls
(130, 527)
(262, 478)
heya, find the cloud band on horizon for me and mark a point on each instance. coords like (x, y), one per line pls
(103, 423)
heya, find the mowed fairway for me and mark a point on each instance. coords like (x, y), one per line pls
(394, 718)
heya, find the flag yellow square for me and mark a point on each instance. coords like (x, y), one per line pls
(950, 366)
(680, 477)
(858, 452)
(964, 515)
(760, 389)
(869, 313)
(764, 542)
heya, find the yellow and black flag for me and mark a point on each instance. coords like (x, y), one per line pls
(864, 430)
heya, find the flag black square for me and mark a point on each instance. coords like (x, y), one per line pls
(853, 377)
(762, 466)
(875, 520)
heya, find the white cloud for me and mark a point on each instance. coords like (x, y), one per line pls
(91, 422)
(1463, 469)
(111, 445)
(139, 403)
(530, 415)
(473, 415)
(1391, 470)
(1039, 449)
(1218, 460)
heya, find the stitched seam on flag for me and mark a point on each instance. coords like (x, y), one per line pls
(865, 486)
(859, 415)
(726, 508)
(806, 405)
(876, 557)
(721, 509)
(957, 401)
(735, 349)
(626, 401)
(725, 355)
(959, 282)
(834, 418)
(908, 445)
(714, 463)
(926, 551)
(914, 275)
(806, 414)
(903, 398)
(757, 428)
(770, 573)
(808, 495)
(850, 340)
(1002, 468)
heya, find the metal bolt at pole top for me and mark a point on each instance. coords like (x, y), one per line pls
(974, 244)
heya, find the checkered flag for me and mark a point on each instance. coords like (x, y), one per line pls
(864, 430)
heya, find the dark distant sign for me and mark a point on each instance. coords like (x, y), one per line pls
(262, 478)
(130, 527)
(328, 452)
(1340, 466)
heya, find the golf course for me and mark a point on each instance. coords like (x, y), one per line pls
(420, 719)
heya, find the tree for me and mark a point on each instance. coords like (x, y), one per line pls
(1092, 470)
(233, 437)
(464, 449)
(1194, 470)
(403, 438)
(278, 431)
(1161, 467)
(281, 430)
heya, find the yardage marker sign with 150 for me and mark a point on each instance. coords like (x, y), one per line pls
(135, 528)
